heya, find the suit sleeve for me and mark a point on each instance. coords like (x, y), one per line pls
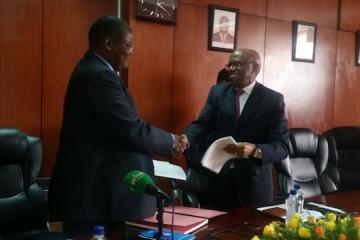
(276, 147)
(111, 106)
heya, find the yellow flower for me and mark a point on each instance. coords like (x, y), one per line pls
(269, 231)
(293, 223)
(297, 216)
(255, 238)
(330, 226)
(345, 220)
(304, 233)
(320, 222)
(331, 217)
(274, 223)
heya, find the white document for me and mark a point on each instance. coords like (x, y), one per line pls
(306, 213)
(215, 156)
(168, 170)
(319, 205)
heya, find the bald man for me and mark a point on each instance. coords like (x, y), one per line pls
(253, 115)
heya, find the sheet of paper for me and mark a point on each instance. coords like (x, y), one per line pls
(215, 157)
(168, 170)
(304, 215)
(319, 205)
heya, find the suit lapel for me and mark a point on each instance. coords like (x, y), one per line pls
(251, 106)
(229, 104)
(93, 56)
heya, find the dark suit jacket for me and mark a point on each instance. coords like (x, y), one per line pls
(262, 122)
(102, 139)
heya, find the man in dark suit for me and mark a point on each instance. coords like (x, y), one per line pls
(261, 128)
(103, 138)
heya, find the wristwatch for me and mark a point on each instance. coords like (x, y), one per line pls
(257, 153)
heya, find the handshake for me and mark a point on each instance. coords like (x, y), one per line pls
(181, 143)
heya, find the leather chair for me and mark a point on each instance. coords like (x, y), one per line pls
(344, 156)
(23, 213)
(306, 164)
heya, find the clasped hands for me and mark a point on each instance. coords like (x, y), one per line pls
(181, 144)
(241, 150)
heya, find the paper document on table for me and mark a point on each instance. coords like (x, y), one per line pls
(280, 212)
(215, 156)
(168, 170)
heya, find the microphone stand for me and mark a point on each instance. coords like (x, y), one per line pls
(159, 218)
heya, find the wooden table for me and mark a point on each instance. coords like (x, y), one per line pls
(244, 223)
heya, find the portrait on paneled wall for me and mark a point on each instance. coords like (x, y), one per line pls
(303, 41)
(223, 24)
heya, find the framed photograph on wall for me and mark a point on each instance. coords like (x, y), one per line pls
(223, 28)
(303, 41)
(357, 48)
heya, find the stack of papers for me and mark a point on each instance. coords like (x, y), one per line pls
(215, 157)
(186, 219)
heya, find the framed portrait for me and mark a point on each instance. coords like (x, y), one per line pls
(357, 48)
(303, 41)
(223, 28)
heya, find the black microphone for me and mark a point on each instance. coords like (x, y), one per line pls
(139, 182)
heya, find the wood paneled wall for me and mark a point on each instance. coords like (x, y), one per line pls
(40, 42)
(20, 65)
(318, 95)
(65, 29)
(172, 70)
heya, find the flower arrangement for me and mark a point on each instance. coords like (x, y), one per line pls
(332, 227)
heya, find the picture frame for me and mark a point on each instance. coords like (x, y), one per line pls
(303, 41)
(357, 48)
(222, 28)
(164, 12)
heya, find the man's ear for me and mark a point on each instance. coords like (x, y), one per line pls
(256, 68)
(108, 44)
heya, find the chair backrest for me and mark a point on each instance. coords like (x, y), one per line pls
(22, 201)
(306, 164)
(344, 156)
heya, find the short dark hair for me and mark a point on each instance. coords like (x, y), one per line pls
(107, 26)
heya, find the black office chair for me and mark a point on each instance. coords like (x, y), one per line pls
(344, 157)
(306, 164)
(23, 212)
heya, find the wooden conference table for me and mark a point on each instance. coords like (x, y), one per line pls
(244, 223)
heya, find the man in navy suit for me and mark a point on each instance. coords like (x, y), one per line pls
(103, 138)
(261, 128)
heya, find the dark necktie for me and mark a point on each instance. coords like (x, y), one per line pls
(238, 93)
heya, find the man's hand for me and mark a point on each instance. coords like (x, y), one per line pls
(181, 144)
(242, 150)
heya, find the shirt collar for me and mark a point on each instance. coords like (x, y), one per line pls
(104, 61)
(249, 88)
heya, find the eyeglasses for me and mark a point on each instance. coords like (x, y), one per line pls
(236, 66)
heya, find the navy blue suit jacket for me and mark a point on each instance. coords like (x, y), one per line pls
(102, 139)
(261, 122)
